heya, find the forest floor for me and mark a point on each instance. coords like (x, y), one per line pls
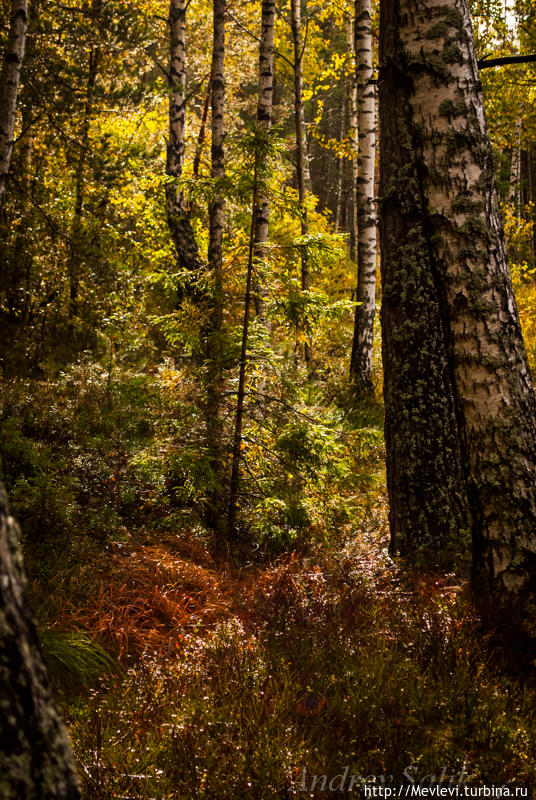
(230, 682)
(185, 675)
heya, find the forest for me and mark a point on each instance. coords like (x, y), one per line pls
(267, 420)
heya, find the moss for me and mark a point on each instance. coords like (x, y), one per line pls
(438, 31)
(452, 54)
(465, 205)
(446, 108)
(451, 16)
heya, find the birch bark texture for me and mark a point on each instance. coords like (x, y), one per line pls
(447, 283)
(9, 86)
(265, 106)
(177, 213)
(361, 360)
(36, 761)
(353, 133)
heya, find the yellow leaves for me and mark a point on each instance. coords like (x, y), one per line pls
(344, 148)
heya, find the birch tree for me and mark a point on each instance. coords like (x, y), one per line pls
(352, 105)
(265, 105)
(9, 86)
(460, 403)
(36, 760)
(177, 212)
(361, 360)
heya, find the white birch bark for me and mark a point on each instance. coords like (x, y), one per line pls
(264, 121)
(361, 361)
(491, 385)
(352, 105)
(177, 213)
(9, 86)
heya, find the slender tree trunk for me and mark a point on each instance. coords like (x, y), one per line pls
(352, 105)
(202, 130)
(237, 439)
(26, 144)
(9, 86)
(177, 213)
(26, 148)
(361, 360)
(447, 282)
(530, 203)
(36, 760)
(260, 213)
(514, 184)
(77, 244)
(264, 120)
(340, 172)
(301, 149)
(215, 263)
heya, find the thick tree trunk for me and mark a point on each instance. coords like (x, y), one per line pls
(441, 221)
(36, 761)
(425, 481)
(9, 86)
(301, 149)
(177, 213)
(361, 361)
(215, 263)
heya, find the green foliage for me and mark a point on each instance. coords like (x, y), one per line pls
(74, 661)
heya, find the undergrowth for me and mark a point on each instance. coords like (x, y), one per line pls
(321, 662)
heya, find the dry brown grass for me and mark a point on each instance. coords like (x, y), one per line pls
(145, 597)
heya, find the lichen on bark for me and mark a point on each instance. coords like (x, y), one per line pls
(36, 760)
(461, 253)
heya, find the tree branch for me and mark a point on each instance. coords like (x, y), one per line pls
(486, 62)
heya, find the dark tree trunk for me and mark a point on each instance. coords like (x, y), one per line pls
(215, 266)
(260, 211)
(76, 255)
(36, 761)
(237, 438)
(302, 172)
(202, 131)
